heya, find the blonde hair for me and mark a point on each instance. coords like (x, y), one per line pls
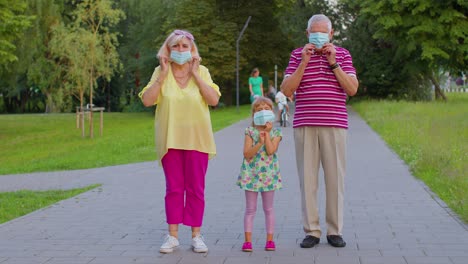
(175, 37)
(258, 101)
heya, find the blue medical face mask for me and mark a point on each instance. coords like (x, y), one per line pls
(318, 39)
(181, 57)
(263, 116)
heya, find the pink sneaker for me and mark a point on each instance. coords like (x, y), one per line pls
(247, 247)
(270, 246)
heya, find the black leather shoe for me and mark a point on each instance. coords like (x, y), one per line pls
(310, 241)
(336, 241)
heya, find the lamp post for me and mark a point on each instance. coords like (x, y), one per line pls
(237, 62)
(276, 77)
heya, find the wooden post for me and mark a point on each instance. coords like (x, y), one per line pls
(83, 113)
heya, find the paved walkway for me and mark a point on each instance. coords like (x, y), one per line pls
(390, 217)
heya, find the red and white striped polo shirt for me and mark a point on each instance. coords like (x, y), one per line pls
(320, 100)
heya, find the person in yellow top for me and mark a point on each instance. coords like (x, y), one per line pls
(183, 91)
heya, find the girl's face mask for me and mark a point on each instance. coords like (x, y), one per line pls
(263, 116)
(318, 39)
(181, 57)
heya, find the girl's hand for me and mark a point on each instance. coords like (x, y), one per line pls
(163, 62)
(262, 137)
(268, 127)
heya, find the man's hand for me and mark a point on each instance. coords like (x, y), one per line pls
(307, 51)
(330, 51)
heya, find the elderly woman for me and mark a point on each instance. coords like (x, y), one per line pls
(183, 90)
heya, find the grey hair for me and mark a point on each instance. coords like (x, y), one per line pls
(317, 19)
(174, 38)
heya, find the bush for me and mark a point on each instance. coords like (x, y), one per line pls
(136, 106)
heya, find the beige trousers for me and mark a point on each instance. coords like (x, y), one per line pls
(325, 146)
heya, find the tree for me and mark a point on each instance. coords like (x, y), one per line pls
(296, 13)
(89, 46)
(138, 47)
(428, 35)
(34, 73)
(43, 70)
(69, 46)
(214, 36)
(380, 76)
(263, 44)
(97, 17)
(13, 24)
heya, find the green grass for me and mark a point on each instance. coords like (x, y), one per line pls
(51, 142)
(432, 138)
(19, 203)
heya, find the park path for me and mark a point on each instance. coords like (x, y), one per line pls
(390, 217)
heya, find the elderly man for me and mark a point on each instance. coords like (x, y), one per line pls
(322, 75)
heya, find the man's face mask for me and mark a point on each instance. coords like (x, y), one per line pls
(318, 39)
(263, 116)
(181, 57)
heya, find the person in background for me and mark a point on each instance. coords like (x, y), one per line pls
(183, 91)
(271, 91)
(282, 102)
(255, 84)
(323, 76)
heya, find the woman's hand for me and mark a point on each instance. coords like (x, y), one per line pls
(194, 65)
(163, 62)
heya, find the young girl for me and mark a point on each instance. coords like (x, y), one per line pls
(260, 171)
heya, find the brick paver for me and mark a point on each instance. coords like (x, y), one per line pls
(390, 217)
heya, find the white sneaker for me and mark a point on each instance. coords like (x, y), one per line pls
(169, 244)
(198, 244)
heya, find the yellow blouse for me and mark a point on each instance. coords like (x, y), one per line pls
(182, 118)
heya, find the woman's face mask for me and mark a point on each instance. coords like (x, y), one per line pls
(263, 116)
(181, 57)
(318, 39)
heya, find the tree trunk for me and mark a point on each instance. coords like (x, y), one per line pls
(24, 100)
(438, 93)
(91, 129)
(108, 88)
(82, 113)
(227, 95)
(50, 107)
(9, 106)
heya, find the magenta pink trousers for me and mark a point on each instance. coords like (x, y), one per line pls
(185, 172)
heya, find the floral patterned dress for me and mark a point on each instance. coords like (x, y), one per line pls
(260, 173)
